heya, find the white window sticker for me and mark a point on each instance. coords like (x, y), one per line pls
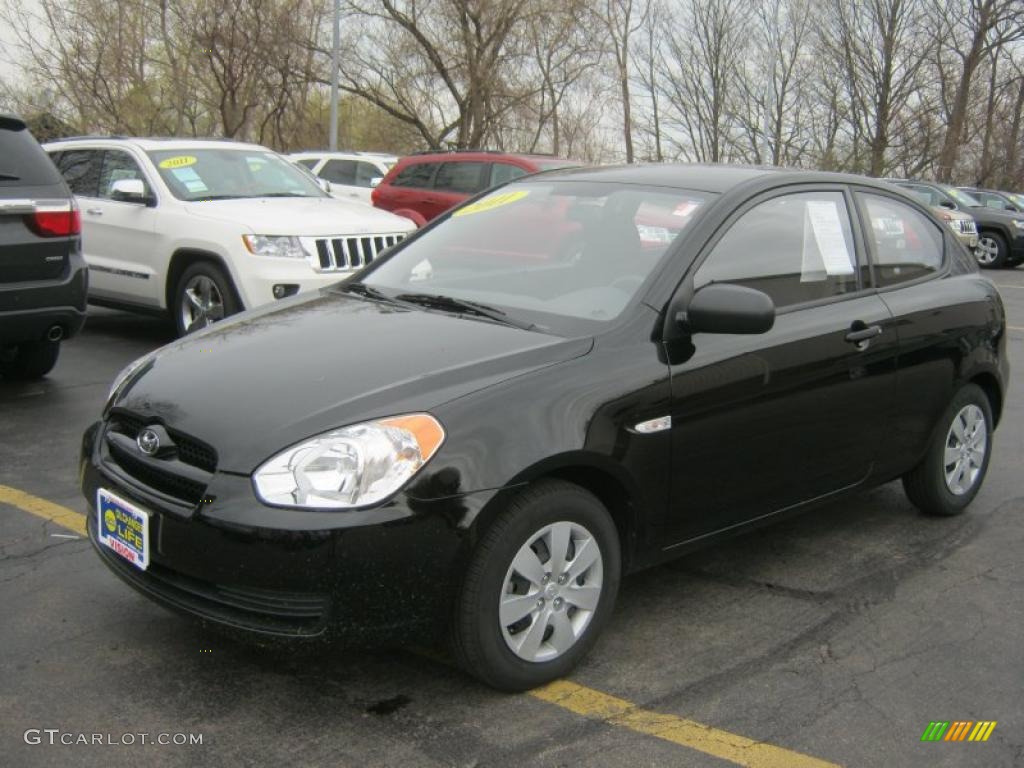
(826, 250)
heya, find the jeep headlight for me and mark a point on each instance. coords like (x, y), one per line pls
(1018, 223)
(282, 246)
(350, 467)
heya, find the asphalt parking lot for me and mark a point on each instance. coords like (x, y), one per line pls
(833, 638)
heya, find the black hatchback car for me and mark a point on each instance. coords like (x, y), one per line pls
(581, 374)
(43, 276)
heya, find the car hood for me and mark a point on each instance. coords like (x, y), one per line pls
(984, 213)
(302, 216)
(269, 378)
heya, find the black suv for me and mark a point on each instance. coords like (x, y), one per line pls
(43, 276)
(1000, 232)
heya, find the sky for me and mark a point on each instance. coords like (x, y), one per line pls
(9, 70)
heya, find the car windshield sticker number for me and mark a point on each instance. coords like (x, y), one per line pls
(491, 202)
(825, 251)
(181, 161)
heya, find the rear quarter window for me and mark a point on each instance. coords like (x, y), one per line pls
(417, 175)
(23, 163)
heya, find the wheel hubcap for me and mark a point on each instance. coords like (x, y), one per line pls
(202, 304)
(987, 250)
(551, 591)
(966, 443)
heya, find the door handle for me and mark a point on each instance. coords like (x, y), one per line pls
(94, 211)
(861, 334)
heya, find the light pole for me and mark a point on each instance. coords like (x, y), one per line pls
(336, 38)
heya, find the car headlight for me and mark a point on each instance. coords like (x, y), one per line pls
(126, 374)
(285, 246)
(350, 467)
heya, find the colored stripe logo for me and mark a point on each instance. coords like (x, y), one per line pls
(958, 730)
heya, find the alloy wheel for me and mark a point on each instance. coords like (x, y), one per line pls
(202, 304)
(987, 251)
(966, 443)
(551, 591)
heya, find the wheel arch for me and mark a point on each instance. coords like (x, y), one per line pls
(989, 384)
(602, 478)
(182, 259)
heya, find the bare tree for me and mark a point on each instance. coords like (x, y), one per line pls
(622, 19)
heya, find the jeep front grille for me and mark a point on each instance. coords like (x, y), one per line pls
(334, 254)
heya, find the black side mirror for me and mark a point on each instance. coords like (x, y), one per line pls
(728, 308)
(948, 204)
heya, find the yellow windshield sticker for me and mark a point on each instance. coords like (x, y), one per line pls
(180, 161)
(492, 202)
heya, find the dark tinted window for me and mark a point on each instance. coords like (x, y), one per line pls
(466, 178)
(905, 244)
(795, 248)
(415, 175)
(81, 170)
(22, 160)
(502, 172)
(339, 172)
(117, 166)
(365, 173)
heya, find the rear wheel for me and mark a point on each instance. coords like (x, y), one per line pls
(952, 471)
(31, 360)
(991, 251)
(539, 589)
(203, 296)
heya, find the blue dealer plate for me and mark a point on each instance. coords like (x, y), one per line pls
(123, 527)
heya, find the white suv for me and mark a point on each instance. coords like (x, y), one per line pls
(351, 174)
(206, 228)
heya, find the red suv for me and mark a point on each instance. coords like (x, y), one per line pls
(426, 184)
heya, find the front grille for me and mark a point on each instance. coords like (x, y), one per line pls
(275, 612)
(968, 227)
(190, 450)
(157, 479)
(346, 253)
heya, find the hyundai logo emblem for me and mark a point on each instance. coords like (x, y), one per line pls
(148, 442)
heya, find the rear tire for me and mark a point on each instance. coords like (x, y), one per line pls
(951, 473)
(992, 250)
(31, 360)
(564, 606)
(203, 295)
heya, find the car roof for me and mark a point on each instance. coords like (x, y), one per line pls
(706, 177)
(151, 143)
(354, 154)
(477, 155)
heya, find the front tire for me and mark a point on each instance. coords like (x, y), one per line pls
(951, 473)
(31, 360)
(203, 296)
(540, 587)
(992, 250)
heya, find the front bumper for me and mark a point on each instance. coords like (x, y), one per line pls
(385, 574)
(256, 282)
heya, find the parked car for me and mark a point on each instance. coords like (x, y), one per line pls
(508, 432)
(1017, 198)
(201, 229)
(425, 185)
(43, 276)
(351, 174)
(1000, 233)
(962, 224)
(992, 199)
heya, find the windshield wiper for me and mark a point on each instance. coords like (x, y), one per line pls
(452, 304)
(369, 292)
(207, 198)
(282, 194)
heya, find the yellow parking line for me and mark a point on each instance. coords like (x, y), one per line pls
(687, 733)
(55, 513)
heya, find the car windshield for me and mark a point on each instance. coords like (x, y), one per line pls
(222, 174)
(1016, 199)
(558, 256)
(964, 198)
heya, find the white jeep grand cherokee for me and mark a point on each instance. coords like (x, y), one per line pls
(203, 229)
